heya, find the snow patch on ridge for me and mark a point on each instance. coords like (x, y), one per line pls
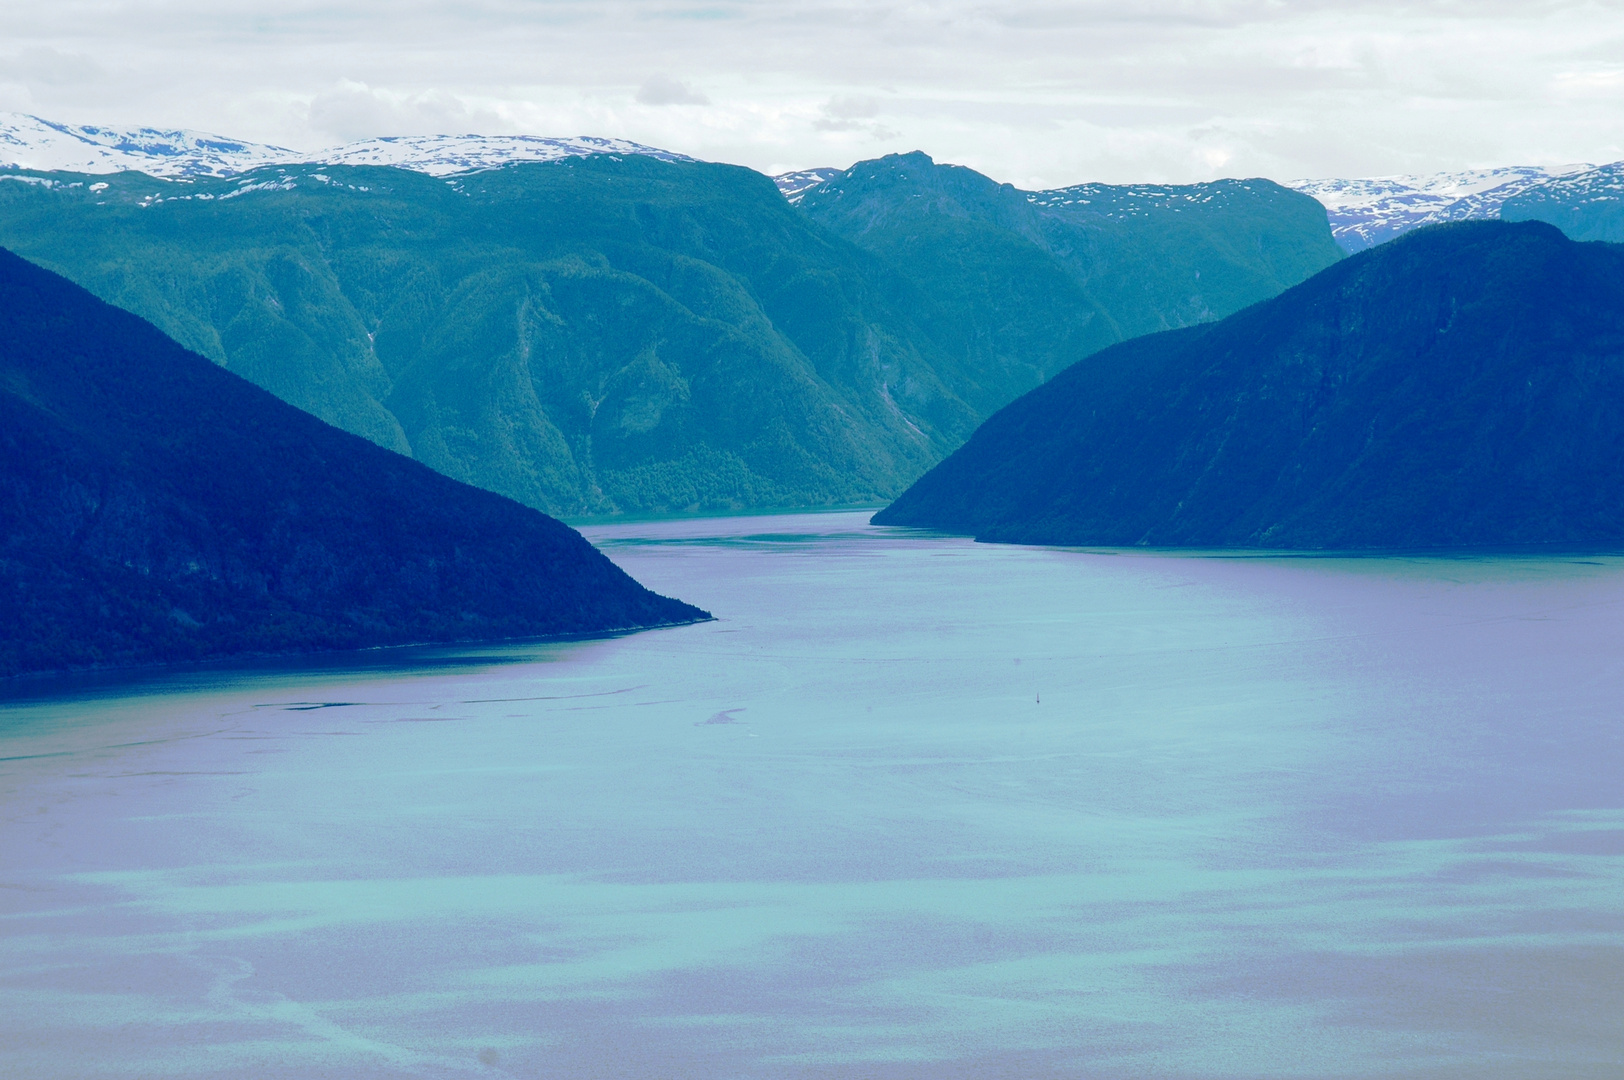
(1134, 200)
(28, 142)
(447, 155)
(796, 184)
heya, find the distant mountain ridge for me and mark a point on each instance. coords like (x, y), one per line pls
(1362, 211)
(28, 142)
(1028, 282)
(1586, 205)
(1462, 386)
(1367, 211)
(616, 333)
(1370, 211)
(1094, 199)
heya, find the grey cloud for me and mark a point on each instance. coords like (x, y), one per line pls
(664, 90)
(50, 67)
(1161, 15)
(852, 108)
(353, 111)
(873, 130)
(1041, 92)
(854, 114)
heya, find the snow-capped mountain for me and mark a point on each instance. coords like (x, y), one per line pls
(444, 155)
(1363, 212)
(28, 142)
(796, 184)
(1587, 205)
(1368, 211)
(1590, 184)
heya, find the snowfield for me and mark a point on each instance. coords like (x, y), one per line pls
(28, 142)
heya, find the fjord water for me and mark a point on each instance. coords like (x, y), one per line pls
(911, 807)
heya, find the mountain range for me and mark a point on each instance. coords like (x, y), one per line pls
(1367, 212)
(1586, 205)
(593, 327)
(612, 333)
(1462, 386)
(154, 507)
(28, 142)
(1587, 201)
(1027, 283)
(1363, 211)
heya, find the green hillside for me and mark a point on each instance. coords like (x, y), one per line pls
(584, 336)
(1035, 281)
(605, 334)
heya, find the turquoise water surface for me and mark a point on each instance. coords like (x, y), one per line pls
(911, 807)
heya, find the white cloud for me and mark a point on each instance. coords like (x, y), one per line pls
(1032, 91)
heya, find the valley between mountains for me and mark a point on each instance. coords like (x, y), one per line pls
(614, 333)
(595, 329)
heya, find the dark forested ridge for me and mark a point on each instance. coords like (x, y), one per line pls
(1461, 386)
(155, 507)
(608, 334)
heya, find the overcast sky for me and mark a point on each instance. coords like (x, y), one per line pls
(1039, 93)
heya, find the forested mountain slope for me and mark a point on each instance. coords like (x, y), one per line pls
(587, 335)
(613, 333)
(155, 507)
(1031, 282)
(1460, 386)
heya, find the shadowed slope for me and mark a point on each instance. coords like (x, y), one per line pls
(1461, 386)
(156, 507)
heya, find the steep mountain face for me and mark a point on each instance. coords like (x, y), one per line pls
(1026, 283)
(28, 142)
(155, 507)
(586, 336)
(1460, 386)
